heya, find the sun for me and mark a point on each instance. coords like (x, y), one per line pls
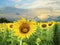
(43, 17)
(24, 28)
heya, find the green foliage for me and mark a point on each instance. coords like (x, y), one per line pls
(58, 33)
(7, 38)
(45, 37)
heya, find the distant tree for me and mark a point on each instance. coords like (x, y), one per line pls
(2, 20)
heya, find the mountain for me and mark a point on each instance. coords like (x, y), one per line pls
(57, 18)
(8, 10)
(12, 13)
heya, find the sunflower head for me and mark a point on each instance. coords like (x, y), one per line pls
(10, 26)
(50, 24)
(43, 25)
(24, 28)
(3, 27)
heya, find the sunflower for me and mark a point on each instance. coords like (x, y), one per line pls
(43, 25)
(3, 27)
(10, 26)
(24, 28)
(50, 24)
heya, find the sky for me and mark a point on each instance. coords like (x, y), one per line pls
(32, 4)
(27, 4)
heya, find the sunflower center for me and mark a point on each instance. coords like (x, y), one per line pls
(2, 29)
(24, 28)
(44, 25)
(11, 26)
(50, 24)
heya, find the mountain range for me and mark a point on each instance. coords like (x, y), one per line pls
(12, 13)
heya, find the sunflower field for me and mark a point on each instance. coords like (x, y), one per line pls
(30, 32)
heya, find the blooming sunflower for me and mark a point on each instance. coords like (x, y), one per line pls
(3, 27)
(43, 25)
(10, 26)
(50, 24)
(24, 28)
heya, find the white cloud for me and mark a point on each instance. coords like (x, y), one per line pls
(21, 6)
(55, 4)
(38, 4)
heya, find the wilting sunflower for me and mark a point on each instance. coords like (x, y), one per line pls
(50, 24)
(43, 25)
(3, 27)
(10, 26)
(24, 28)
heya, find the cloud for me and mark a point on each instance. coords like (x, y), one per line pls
(39, 3)
(35, 4)
(21, 6)
(43, 17)
(54, 4)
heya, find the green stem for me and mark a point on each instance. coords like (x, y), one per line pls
(4, 35)
(21, 41)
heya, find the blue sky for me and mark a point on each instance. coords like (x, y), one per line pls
(30, 3)
(5, 3)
